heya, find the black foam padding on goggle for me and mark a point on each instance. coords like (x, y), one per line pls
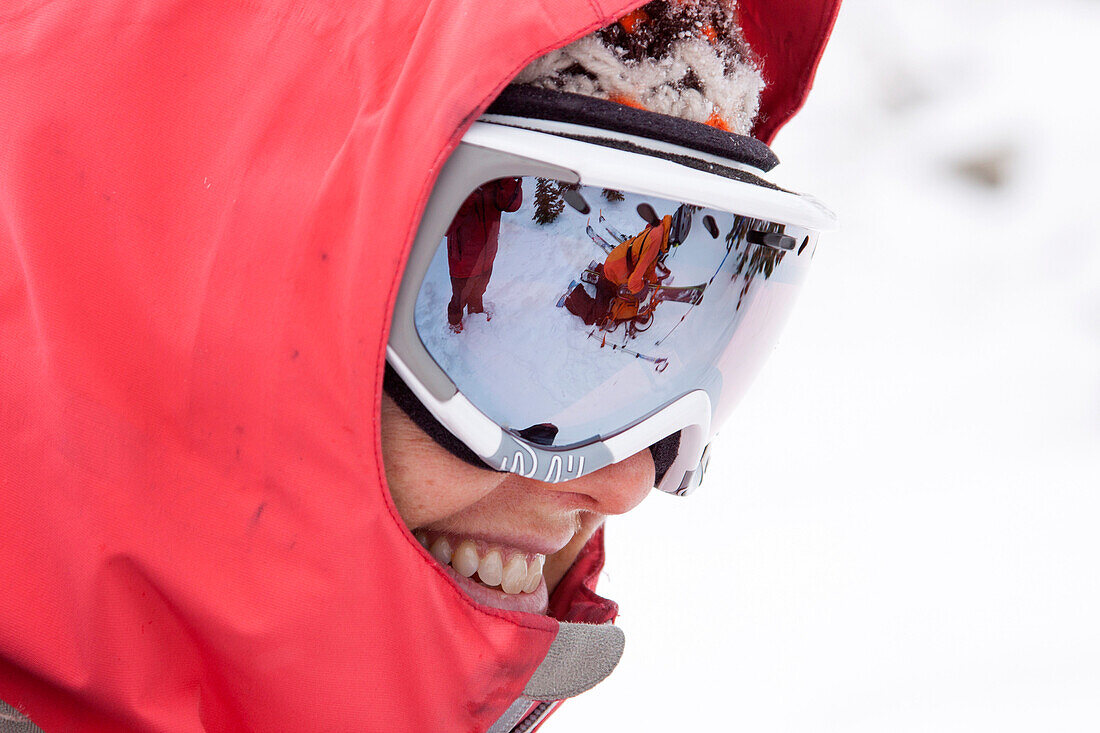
(664, 451)
(395, 387)
(548, 104)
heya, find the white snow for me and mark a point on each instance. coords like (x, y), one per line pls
(899, 530)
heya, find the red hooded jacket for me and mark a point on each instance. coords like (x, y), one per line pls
(204, 213)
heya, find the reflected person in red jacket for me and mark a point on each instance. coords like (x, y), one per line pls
(472, 245)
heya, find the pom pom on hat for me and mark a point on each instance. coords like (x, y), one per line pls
(687, 59)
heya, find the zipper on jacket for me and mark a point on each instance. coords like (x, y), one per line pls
(538, 713)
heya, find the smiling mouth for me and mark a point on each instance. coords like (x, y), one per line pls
(506, 570)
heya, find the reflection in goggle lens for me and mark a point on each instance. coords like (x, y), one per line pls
(562, 323)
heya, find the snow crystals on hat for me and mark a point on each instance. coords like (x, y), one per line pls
(685, 58)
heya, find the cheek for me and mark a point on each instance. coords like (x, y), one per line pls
(558, 564)
(426, 482)
(615, 489)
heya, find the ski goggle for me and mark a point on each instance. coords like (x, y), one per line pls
(575, 295)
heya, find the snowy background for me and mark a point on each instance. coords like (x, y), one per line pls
(900, 530)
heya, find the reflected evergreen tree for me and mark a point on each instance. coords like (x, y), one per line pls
(612, 195)
(548, 200)
(757, 259)
(737, 232)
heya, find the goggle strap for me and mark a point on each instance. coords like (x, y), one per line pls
(556, 106)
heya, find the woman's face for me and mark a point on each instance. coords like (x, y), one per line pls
(505, 540)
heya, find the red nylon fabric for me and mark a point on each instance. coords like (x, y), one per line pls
(788, 37)
(204, 211)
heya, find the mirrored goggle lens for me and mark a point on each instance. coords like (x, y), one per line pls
(567, 312)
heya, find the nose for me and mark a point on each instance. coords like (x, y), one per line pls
(614, 489)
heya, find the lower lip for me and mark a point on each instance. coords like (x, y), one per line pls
(535, 602)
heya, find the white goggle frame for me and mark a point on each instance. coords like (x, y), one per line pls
(498, 147)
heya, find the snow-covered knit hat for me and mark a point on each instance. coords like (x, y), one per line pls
(685, 58)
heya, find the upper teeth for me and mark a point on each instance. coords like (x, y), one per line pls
(517, 575)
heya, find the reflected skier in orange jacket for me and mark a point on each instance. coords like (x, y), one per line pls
(625, 277)
(632, 268)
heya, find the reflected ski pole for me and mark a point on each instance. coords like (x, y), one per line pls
(660, 363)
(729, 249)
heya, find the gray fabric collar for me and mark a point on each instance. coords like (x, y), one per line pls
(13, 721)
(582, 656)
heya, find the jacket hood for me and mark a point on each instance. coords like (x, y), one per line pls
(204, 213)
